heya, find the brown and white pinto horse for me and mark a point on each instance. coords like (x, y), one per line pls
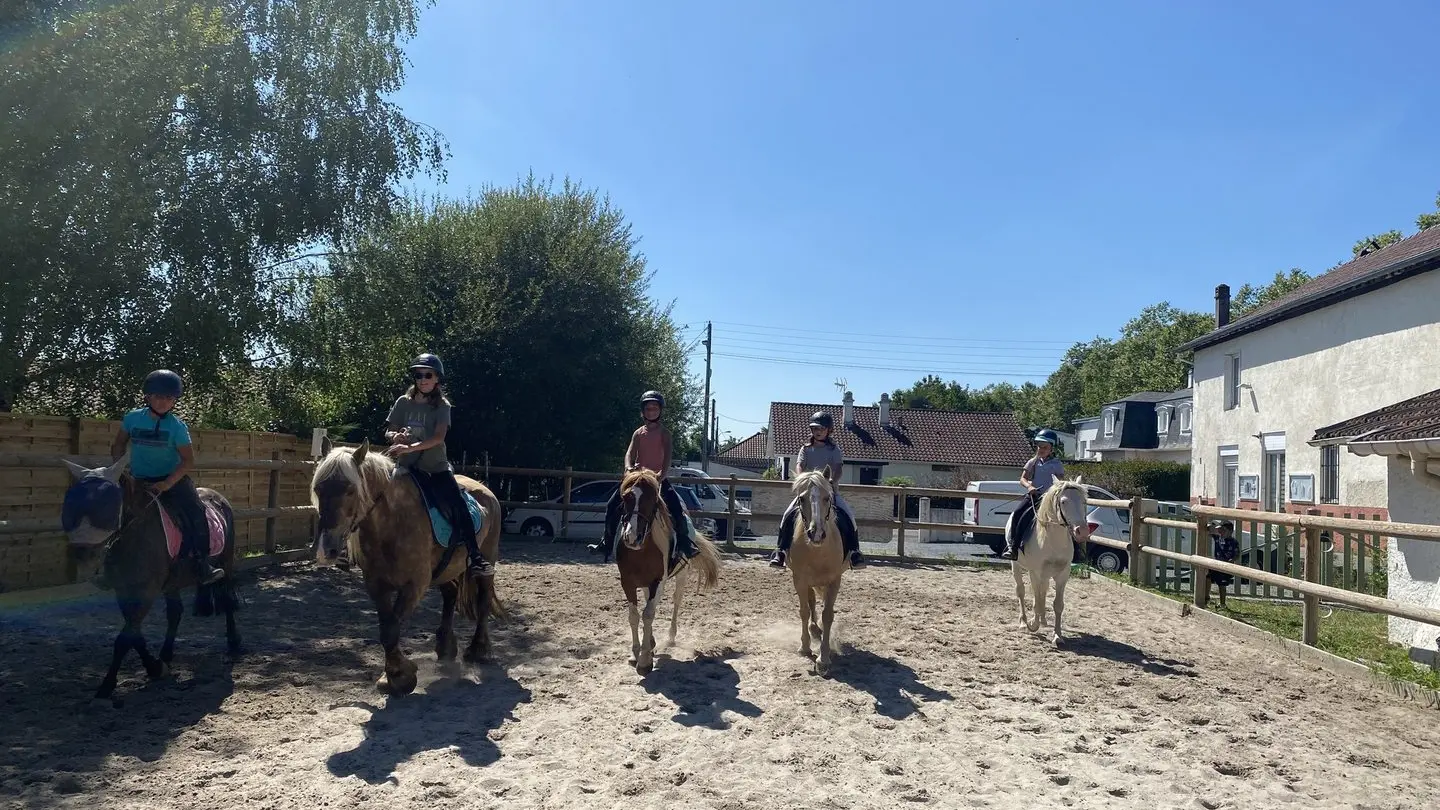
(643, 555)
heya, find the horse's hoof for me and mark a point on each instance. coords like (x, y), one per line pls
(160, 672)
(477, 655)
(805, 651)
(1056, 639)
(644, 668)
(822, 668)
(397, 686)
(1033, 627)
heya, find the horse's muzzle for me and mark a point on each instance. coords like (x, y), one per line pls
(327, 547)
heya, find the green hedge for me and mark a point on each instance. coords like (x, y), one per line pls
(1161, 480)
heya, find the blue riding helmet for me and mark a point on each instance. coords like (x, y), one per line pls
(163, 382)
(1048, 436)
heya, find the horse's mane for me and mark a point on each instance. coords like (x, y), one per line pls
(808, 480)
(1049, 509)
(652, 481)
(369, 477)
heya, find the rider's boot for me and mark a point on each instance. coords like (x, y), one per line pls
(204, 573)
(605, 546)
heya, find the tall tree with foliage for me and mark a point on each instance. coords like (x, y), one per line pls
(1251, 297)
(164, 159)
(536, 299)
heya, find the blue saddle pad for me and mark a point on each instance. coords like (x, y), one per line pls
(440, 528)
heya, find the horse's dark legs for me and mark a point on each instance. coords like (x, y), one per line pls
(400, 678)
(479, 650)
(130, 637)
(174, 609)
(226, 592)
(446, 647)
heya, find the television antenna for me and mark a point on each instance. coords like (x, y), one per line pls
(842, 384)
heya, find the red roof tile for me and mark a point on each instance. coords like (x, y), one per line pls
(1414, 418)
(747, 455)
(919, 436)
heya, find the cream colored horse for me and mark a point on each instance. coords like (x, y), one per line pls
(1047, 550)
(817, 561)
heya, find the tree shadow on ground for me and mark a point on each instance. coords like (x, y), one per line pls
(893, 685)
(1122, 653)
(702, 689)
(456, 713)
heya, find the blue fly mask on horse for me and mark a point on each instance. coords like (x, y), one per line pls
(90, 513)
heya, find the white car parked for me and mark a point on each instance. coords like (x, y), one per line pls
(1105, 521)
(543, 518)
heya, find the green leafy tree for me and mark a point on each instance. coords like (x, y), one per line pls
(535, 297)
(1376, 241)
(164, 160)
(1251, 297)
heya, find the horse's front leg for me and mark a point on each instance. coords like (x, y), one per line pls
(1039, 583)
(479, 650)
(822, 667)
(1060, 580)
(634, 624)
(1020, 592)
(806, 595)
(677, 598)
(400, 672)
(174, 609)
(446, 647)
(645, 660)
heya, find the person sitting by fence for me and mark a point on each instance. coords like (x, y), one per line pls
(1225, 548)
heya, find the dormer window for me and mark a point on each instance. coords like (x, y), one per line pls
(1162, 420)
(1110, 423)
(1185, 416)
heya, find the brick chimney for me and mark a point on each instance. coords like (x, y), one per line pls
(1222, 305)
(849, 403)
(884, 410)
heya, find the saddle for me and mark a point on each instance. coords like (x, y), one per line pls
(441, 522)
(175, 538)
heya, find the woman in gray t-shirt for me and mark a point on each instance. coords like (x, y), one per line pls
(1039, 475)
(820, 453)
(416, 430)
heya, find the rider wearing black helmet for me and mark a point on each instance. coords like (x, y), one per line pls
(161, 458)
(820, 453)
(1039, 475)
(650, 448)
(416, 429)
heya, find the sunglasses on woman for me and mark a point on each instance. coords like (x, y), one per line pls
(424, 375)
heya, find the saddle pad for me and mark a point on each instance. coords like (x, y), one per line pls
(440, 528)
(213, 520)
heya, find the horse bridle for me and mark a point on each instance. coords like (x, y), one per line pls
(650, 521)
(110, 538)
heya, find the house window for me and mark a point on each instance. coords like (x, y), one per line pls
(1185, 419)
(1109, 423)
(1162, 421)
(1330, 474)
(1232, 381)
(1230, 476)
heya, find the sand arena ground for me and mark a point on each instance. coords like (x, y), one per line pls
(938, 699)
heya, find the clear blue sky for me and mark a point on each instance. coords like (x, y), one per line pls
(819, 178)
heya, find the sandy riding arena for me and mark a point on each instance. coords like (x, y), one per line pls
(938, 698)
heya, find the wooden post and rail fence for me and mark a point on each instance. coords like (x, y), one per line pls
(33, 481)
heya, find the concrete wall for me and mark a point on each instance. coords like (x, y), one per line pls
(1414, 564)
(1381, 345)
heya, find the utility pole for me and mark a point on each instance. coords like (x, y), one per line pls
(705, 426)
(714, 425)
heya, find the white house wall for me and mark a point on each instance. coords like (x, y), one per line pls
(1315, 370)
(1414, 564)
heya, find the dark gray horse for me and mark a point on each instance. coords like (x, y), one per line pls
(115, 525)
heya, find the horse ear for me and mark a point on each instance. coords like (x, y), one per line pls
(112, 473)
(76, 470)
(1056, 479)
(1079, 479)
(360, 452)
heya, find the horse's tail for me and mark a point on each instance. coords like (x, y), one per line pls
(706, 563)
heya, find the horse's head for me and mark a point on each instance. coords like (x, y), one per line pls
(817, 504)
(91, 511)
(342, 493)
(640, 503)
(1064, 503)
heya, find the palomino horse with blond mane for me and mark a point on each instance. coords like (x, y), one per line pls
(816, 561)
(1046, 550)
(643, 556)
(378, 511)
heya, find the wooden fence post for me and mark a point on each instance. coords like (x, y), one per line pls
(565, 505)
(1310, 618)
(730, 522)
(1200, 575)
(272, 501)
(900, 538)
(1137, 539)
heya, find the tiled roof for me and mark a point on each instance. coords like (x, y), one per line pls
(1415, 418)
(1390, 263)
(747, 455)
(919, 436)
(1153, 396)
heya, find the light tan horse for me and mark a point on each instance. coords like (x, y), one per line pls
(384, 522)
(817, 561)
(643, 555)
(1047, 551)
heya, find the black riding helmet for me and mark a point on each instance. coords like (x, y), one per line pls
(163, 382)
(652, 396)
(429, 361)
(822, 419)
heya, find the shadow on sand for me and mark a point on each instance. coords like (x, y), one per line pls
(702, 689)
(893, 685)
(1122, 653)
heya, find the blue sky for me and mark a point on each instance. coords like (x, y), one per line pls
(960, 187)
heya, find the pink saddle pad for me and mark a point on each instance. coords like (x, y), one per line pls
(212, 519)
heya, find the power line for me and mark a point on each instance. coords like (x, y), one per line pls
(1017, 364)
(742, 421)
(774, 328)
(932, 370)
(1054, 358)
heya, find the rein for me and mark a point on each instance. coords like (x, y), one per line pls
(110, 539)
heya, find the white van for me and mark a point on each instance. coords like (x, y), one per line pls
(713, 495)
(994, 512)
